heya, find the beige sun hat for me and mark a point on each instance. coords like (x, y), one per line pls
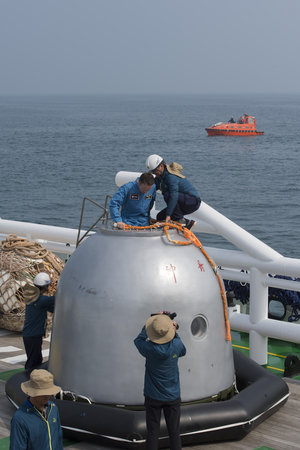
(160, 329)
(40, 383)
(30, 293)
(175, 169)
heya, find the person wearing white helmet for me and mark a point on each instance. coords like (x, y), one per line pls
(179, 194)
(153, 161)
(37, 306)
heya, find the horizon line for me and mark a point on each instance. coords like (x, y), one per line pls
(141, 93)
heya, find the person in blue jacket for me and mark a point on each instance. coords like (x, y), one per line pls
(159, 343)
(37, 306)
(135, 199)
(36, 424)
(179, 194)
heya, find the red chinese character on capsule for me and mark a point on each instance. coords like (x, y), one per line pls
(200, 266)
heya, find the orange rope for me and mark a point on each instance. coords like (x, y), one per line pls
(191, 239)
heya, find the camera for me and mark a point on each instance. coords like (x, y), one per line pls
(169, 314)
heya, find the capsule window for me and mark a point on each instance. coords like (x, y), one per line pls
(199, 326)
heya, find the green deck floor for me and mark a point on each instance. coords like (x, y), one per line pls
(277, 351)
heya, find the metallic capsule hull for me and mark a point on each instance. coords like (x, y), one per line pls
(109, 287)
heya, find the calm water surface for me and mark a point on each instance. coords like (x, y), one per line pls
(56, 150)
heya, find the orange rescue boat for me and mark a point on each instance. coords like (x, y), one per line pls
(245, 126)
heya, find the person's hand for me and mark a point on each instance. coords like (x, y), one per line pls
(168, 219)
(121, 225)
(175, 324)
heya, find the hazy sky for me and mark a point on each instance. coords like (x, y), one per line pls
(149, 46)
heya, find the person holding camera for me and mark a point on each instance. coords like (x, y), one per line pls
(159, 343)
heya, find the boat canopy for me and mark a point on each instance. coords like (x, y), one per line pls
(245, 118)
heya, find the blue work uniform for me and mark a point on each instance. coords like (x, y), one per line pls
(36, 315)
(35, 328)
(31, 430)
(161, 387)
(162, 374)
(179, 194)
(135, 206)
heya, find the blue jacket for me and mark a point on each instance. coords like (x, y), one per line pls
(174, 184)
(162, 374)
(135, 206)
(31, 431)
(36, 316)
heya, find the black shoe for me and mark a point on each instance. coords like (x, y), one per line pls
(189, 224)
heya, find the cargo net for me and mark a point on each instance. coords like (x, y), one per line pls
(190, 238)
(20, 261)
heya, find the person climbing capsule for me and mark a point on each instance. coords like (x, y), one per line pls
(179, 194)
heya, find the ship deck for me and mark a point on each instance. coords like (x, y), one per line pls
(279, 432)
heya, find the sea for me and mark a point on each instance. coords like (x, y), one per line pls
(56, 150)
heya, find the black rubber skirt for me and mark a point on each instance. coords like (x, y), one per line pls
(261, 393)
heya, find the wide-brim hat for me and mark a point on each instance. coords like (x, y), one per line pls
(40, 383)
(175, 169)
(30, 293)
(160, 329)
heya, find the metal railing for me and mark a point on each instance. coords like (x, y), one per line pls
(104, 217)
(259, 260)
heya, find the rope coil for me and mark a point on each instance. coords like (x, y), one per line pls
(20, 261)
(191, 239)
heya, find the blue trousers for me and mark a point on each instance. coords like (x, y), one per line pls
(33, 348)
(172, 417)
(186, 204)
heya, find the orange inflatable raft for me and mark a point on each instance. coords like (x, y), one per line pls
(245, 126)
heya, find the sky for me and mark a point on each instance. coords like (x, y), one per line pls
(149, 46)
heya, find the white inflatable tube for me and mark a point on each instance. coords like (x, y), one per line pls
(235, 234)
(36, 231)
(124, 177)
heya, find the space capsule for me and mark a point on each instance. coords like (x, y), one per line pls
(108, 289)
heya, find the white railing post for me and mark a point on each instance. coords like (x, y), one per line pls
(258, 311)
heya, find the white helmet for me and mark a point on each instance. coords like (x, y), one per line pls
(153, 161)
(42, 279)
